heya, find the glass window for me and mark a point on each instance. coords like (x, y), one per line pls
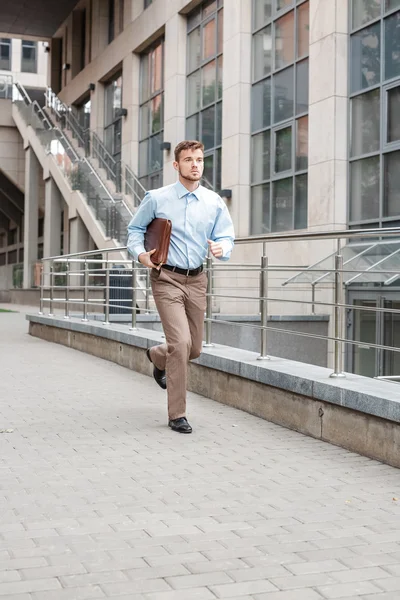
(5, 54)
(302, 87)
(301, 203)
(29, 57)
(208, 127)
(262, 53)
(194, 49)
(302, 144)
(193, 101)
(283, 95)
(261, 156)
(209, 83)
(364, 11)
(365, 123)
(282, 205)
(205, 84)
(261, 105)
(364, 181)
(260, 209)
(280, 4)
(280, 86)
(392, 46)
(393, 115)
(303, 29)
(283, 150)
(392, 184)
(209, 40)
(391, 4)
(151, 116)
(365, 58)
(284, 41)
(375, 115)
(262, 11)
(111, 21)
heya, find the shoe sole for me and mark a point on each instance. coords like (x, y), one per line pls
(180, 430)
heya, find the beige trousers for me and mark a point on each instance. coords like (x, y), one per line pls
(181, 303)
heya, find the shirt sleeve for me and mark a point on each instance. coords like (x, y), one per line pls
(138, 225)
(223, 231)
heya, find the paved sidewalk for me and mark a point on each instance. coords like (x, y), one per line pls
(99, 499)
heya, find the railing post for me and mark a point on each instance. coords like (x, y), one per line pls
(51, 290)
(264, 303)
(134, 295)
(338, 315)
(107, 306)
(148, 291)
(67, 281)
(209, 267)
(41, 289)
(85, 292)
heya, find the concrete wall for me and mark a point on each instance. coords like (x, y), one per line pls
(351, 420)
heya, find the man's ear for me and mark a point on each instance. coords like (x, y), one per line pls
(175, 165)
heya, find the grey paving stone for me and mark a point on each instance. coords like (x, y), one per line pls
(104, 501)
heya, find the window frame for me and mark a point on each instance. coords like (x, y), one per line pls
(8, 43)
(32, 45)
(143, 102)
(292, 122)
(201, 23)
(385, 148)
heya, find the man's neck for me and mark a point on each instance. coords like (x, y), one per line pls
(191, 186)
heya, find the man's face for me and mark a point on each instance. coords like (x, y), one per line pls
(190, 165)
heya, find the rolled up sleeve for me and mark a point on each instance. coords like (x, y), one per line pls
(138, 225)
(223, 232)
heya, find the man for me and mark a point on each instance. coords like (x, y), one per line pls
(200, 220)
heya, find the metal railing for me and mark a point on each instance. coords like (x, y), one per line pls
(78, 280)
(6, 87)
(112, 213)
(122, 176)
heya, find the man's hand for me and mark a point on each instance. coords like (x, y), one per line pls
(145, 259)
(215, 249)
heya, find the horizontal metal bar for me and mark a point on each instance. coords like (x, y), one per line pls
(308, 335)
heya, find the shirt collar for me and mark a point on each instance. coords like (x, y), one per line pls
(182, 191)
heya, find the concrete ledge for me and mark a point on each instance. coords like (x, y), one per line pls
(357, 413)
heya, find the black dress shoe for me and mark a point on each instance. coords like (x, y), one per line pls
(180, 425)
(158, 375)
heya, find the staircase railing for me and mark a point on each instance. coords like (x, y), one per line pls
(113, 214)
(121, 175)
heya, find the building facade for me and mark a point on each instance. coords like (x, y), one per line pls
(296, 101)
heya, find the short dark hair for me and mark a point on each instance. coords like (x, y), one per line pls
(187, 145)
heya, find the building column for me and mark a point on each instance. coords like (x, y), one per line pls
(236, 111)
(31, 215)
(174, 90)
(52, 219)
(328, 131)
(130, 127)
(78, 243)
(328, 115)
(78, 236)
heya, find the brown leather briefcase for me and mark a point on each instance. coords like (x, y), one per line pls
(157, 236)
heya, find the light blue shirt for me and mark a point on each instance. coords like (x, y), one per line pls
(196, 217)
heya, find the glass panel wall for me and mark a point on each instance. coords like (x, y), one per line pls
(151, 116)
(29, 57)
(279, 115)
(112, 123)
(5, 54)
(204, 86)
(374, 186)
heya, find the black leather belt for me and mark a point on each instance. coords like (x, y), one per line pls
(187, 272)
